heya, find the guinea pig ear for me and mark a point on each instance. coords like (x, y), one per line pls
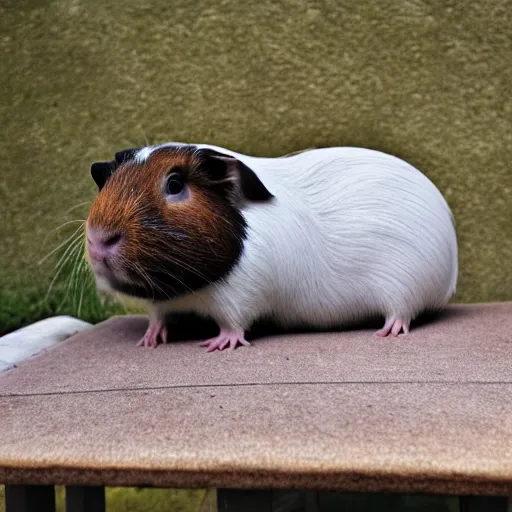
(125, 155)
(251, 186)
(101, 172)
(225, 168)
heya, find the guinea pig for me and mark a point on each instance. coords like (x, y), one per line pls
(323, 238)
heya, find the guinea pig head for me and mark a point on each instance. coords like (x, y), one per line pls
(168, 221)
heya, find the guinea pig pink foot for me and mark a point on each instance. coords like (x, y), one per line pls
(393, 326)
(225, 339)
(154, 332)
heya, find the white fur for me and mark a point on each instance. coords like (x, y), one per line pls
(351, 233)
(143, 154)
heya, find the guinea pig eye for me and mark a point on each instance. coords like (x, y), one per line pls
(175, 184)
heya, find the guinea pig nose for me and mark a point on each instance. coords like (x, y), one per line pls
(100, 244)
(113, 240)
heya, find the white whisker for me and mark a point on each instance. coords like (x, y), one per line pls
(60, 245)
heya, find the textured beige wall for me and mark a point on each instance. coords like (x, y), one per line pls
(427, 81)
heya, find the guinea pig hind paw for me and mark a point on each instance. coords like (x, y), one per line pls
(154, 332)
(226, 339)
(394, 326)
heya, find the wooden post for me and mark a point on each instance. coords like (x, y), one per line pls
(29, 498)
(234, 500)
(230, 500)
(483, 504)
(85, 499)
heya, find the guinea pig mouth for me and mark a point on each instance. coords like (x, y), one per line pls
(143, 280)
(104, 271)
(109, 278)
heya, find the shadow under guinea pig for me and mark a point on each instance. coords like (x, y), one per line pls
(192, 327)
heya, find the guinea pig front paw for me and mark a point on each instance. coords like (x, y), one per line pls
(156, 331)
(227, 338)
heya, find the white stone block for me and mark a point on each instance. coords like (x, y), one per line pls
(29, 341)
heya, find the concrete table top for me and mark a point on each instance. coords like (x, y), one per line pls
(347, 411)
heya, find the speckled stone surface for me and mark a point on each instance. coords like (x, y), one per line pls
(430, 412)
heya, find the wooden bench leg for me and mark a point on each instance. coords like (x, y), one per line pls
(29, 498)
(230, 500)
(85, 499)
(295, 501)
(483, 504)
(234, 500)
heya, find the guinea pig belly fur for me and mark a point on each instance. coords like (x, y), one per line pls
(321, 238)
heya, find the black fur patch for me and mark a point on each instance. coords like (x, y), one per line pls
(125, 155)
(101, 172)
(216, 168)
